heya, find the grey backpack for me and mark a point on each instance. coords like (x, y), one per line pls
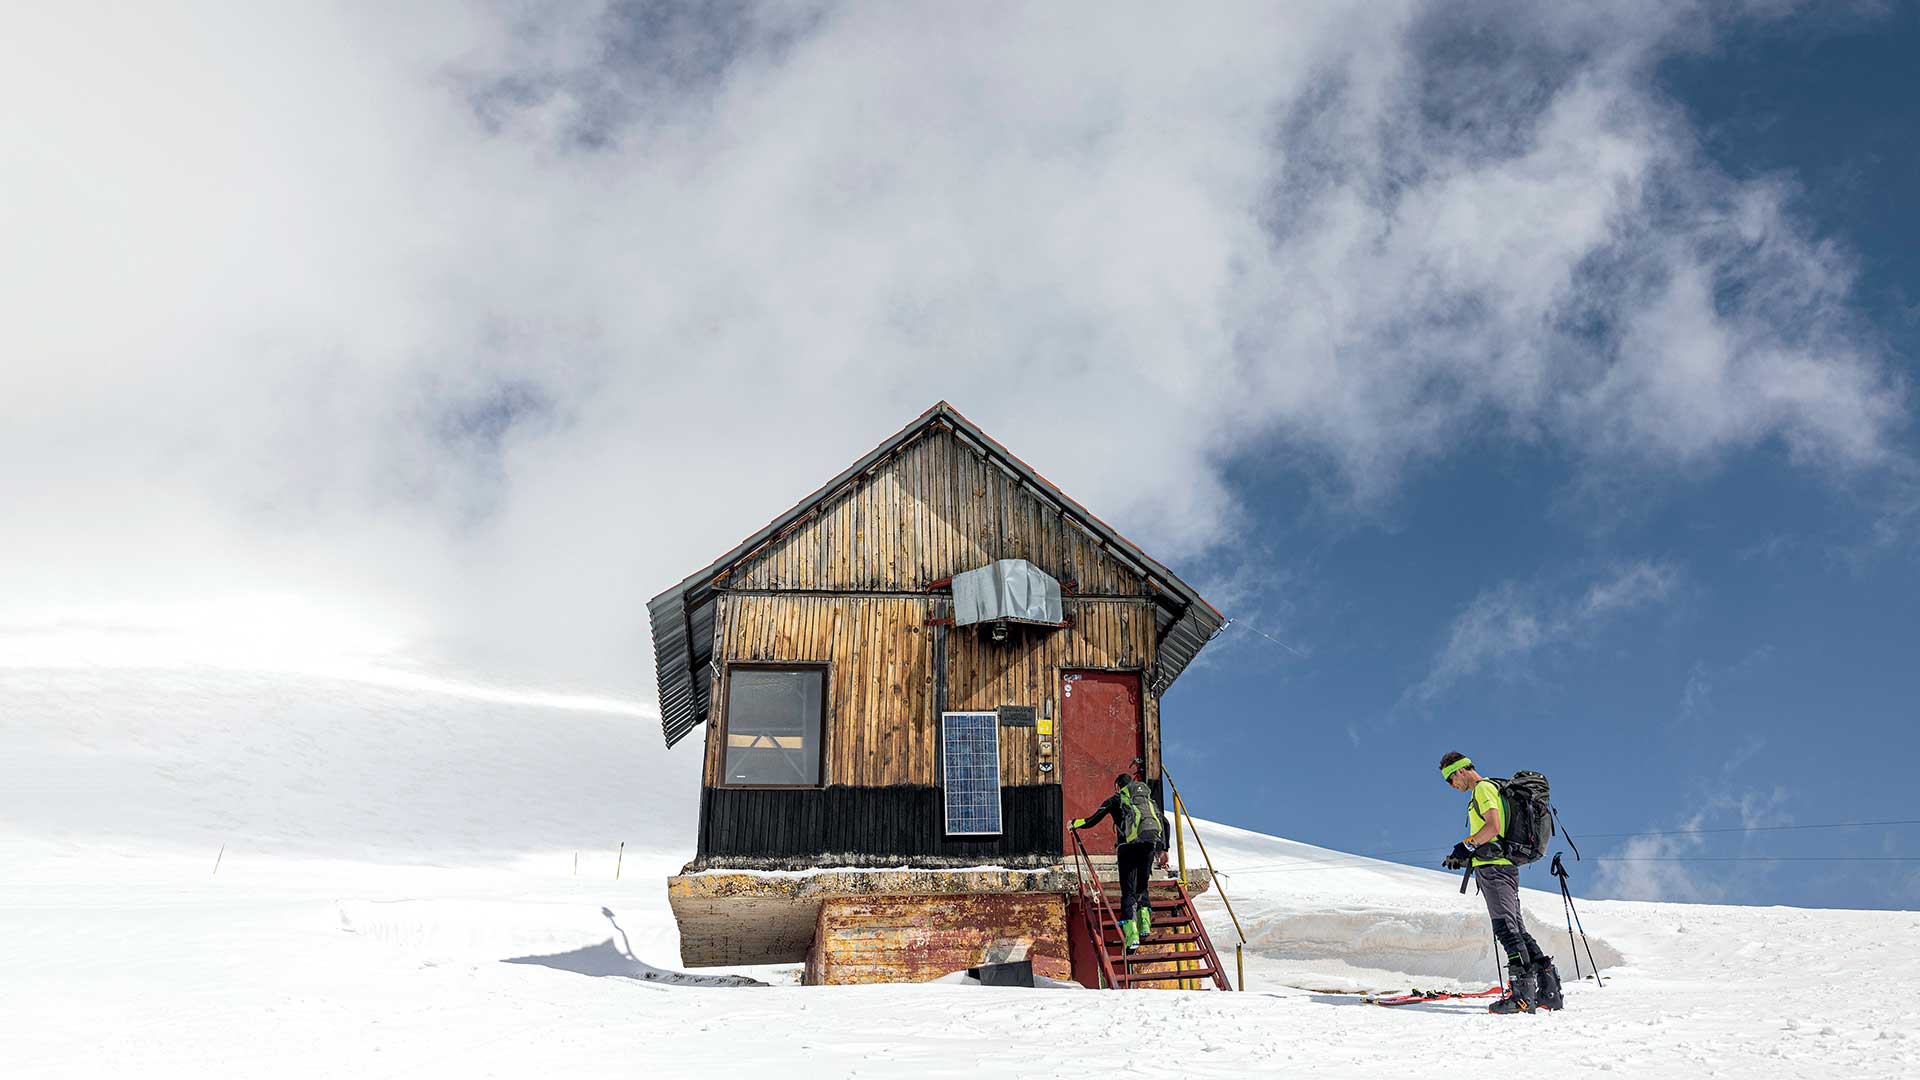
(1527, 804)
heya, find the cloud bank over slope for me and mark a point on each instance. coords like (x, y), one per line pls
(484, 325)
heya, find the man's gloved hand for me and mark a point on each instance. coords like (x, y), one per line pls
(1459, 858)
(1079, 822)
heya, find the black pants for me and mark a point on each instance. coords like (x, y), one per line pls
(1136, 867)
(1500, 887)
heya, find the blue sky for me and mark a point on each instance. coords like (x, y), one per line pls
(1769, 678)
(1542, 373)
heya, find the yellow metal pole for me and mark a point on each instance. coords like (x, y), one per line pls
(1180, 834)
(1180, 809)
(1209, 860)
(1217, 888)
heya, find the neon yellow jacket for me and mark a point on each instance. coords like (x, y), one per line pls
(1486, 796)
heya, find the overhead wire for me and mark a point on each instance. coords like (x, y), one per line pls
(1342, 860)
(1755, 858)
(1247, 625)
(1752, 828)
(1229, 874)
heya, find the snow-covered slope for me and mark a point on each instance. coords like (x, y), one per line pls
(394, 767)
(399, 897)
(1327, 920)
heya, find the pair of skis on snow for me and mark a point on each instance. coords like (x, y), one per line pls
(1423, 997)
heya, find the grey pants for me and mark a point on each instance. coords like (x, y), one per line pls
(1500, 886)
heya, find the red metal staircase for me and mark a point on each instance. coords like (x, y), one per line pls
(1178, 949)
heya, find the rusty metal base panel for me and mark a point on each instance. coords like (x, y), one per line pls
(878, 939)
(744, 917)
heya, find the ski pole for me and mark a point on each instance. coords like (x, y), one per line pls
(1595, 964)
(1560, 871)
(1466, 876)
(1566, 903)
(1499, 976)
(1573, 908)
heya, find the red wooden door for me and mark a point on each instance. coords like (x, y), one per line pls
(1100, 737)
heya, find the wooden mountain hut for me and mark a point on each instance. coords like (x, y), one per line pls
(910, 682)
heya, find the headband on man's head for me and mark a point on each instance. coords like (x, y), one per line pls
(1447, 771)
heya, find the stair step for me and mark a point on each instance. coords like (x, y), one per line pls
(1167, 902)
(1163, 958)
(1161, 928)
(1170, 905)
(1170, 976)
(1160, 920)
(1160, 939)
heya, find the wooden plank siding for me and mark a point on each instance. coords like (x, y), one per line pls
(880, 725)
(934, 509)
(1025, 670)
(845, 587)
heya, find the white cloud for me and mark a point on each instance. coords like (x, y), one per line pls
(1664, 867)
(1696, 698)
(1512, 621)
(1632, 586)
(486, 324)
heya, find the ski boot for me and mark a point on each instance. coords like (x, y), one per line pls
(1130, 935)
(1549, 998)
(1523, 991)
(1143, 922)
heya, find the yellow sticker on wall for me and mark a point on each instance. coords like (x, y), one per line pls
(1045, 725)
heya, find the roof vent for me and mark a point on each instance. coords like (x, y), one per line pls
(1011, 590)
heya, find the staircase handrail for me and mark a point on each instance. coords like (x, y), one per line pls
(1180, 805)
(1212, 873)
(1089, 897)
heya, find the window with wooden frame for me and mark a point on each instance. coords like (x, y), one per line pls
(775, 726)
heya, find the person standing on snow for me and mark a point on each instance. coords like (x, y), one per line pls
(1140, 833)
(1532, 981)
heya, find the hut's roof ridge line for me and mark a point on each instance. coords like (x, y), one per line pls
(675, 652)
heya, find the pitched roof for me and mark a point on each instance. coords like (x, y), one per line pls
(682, 617)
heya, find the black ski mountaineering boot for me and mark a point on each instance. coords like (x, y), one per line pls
(1549, 998)
(1523, 991)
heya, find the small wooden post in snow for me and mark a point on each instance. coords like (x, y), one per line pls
(622, 857)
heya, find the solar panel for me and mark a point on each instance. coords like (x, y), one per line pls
(970, 762)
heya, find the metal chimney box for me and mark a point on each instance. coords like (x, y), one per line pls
(1011, 590)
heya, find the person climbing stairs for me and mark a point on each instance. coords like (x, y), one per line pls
(1174, 949)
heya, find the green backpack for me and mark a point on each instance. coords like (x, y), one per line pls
(1140, 821)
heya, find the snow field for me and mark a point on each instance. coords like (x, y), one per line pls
(397, 899)
(1330, 921)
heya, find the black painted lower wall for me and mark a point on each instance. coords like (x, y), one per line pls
(856, 826)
